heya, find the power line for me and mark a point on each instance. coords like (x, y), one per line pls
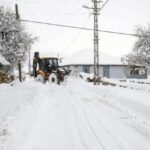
(77, 27)
(104, 4)
(58, 14)
(75, 38)
(48, 2)
(56, 1)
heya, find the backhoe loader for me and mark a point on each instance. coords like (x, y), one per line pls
(47, 69)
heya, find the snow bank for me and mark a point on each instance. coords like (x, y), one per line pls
(84, 75)
(138, 84)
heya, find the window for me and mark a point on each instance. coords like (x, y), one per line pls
(142, 71)
(106, 71)
(86, 69)
(55, 62)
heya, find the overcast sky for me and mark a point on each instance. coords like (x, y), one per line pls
(118, 15)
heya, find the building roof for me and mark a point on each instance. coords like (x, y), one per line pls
(86, 57)
(3, 61)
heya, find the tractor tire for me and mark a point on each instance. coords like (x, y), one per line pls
(40, 78)
(54, 78)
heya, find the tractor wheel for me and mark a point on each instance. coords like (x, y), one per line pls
(53, 78)
(40, 78)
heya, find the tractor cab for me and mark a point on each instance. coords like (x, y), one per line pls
(48, 64)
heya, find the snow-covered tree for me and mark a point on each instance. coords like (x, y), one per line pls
(141, 51)
(14, 41)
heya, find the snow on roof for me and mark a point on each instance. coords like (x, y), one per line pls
(3, 60)
(48, 54)
(85, 56)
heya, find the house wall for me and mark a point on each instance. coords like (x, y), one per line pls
(114, 71)
(117, 72)
(100, 70)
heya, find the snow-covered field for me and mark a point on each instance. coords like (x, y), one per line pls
(75, 116)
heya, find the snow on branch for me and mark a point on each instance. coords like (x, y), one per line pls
(15, 42)
(141, 50)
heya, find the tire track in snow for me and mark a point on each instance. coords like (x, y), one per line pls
(98, 122)
(36, 139)
(132, 120)
(91, 132)
(116, 143)
(124, 127)
(78, 122)
(68, 129)
(77, 126)
(87, 122)
(107, 131)
(80, 95)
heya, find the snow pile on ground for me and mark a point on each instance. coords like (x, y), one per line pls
(78, 115)
(84, 76)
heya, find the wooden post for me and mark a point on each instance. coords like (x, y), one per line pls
(19, 63)
(17, 12)
(20, 71)
(29, 62)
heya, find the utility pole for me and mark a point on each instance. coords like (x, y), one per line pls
(96, 9)
(19, 63)
(96, 42)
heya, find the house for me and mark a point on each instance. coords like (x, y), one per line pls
(82, 61)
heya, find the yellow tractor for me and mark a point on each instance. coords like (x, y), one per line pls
(47, 69)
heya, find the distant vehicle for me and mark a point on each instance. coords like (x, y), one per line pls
(138, 72)
(47, 69)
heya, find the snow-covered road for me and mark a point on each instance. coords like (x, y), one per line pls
(75, 116)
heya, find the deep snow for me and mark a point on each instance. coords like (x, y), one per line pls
(75, 116)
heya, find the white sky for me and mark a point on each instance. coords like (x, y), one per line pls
(118, 15)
